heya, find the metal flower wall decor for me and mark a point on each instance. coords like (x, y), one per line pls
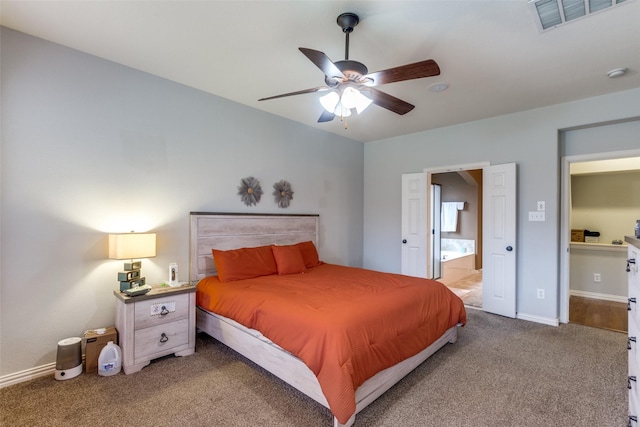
(250, 191)
(282, 193)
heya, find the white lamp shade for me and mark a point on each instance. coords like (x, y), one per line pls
(330, 101)
(361, 101)
(132, 245)
(348, 99)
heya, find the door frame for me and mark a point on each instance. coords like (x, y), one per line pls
(443, 169)
(565, 218)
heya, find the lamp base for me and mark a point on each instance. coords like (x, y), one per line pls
(132, 284)
(133, 265)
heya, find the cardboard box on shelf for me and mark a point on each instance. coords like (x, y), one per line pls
(94, 344)
(577, 235)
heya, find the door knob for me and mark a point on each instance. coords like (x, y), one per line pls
(404, 241)
(509, 248)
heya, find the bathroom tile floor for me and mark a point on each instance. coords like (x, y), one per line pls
(473, 285)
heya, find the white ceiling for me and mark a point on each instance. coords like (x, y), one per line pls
(490, 52)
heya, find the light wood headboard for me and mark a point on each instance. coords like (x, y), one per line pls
(226, 231)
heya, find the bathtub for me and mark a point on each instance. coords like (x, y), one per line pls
(447, 256)
(456, 265)
(458, 259)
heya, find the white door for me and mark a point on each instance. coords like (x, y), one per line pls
(499, 240)
(436, 244)
(414, 224)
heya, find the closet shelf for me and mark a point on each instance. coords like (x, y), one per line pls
(606, 247)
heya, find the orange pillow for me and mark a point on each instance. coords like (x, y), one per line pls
(288, 259)
(309, 254)
(244, 263)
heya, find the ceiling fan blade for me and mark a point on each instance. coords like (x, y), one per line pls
(323, 62)
(416, 70)
(326, 116)
(300, 92)
(387, 101)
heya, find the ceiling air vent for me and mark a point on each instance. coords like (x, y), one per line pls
(551, 13)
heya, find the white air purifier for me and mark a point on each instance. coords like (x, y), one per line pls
(69, 358)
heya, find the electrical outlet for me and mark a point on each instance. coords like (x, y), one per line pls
(596, 277)
(540, 293)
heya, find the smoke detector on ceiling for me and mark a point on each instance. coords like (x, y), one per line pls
(617, 72)
(439, 87)
(551, 13)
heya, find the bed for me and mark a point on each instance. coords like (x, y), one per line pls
(334, 378)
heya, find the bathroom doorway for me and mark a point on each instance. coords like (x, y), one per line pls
(457, 231)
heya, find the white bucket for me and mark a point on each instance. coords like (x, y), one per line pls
(109, 361)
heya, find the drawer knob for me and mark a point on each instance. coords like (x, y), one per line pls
(631, 378)
(164, 311)
(629, 341)
(632, 419)
(631, 300)
(165, 338)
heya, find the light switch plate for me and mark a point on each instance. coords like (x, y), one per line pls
(540, 205)
(536, 216)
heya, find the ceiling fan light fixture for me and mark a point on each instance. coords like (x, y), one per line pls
(330, 101)
(363, 103)
(353, 98)
(341, 104)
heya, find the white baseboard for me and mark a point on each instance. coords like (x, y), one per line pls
(595, 295)
(28, 374)
(539, 319)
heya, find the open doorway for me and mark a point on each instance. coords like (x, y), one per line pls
(457, 233)
(597, 196)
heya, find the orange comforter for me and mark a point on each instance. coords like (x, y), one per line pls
(346, 324)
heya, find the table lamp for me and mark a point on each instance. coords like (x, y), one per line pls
(132, 246)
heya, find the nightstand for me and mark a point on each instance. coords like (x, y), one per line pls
(158, 323)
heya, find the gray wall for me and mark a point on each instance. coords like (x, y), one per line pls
(530, 139)
(455, 189)
(608, 262)
(91, 147)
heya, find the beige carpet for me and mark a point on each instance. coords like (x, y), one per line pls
(500, 373)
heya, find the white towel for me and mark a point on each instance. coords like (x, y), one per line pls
(449, 215)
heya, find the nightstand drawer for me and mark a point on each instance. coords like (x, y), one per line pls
(159, 338)
(149, 313)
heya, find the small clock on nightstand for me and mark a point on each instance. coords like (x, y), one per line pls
(158, 323)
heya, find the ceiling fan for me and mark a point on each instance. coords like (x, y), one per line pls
(350, 84)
